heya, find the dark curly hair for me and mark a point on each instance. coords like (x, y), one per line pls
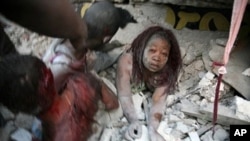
(169, 74)
(24, 83)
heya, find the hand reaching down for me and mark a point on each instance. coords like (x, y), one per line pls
(154, 135)
(134, 131)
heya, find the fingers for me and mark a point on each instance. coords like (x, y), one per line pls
(127, 136)
(133, 132)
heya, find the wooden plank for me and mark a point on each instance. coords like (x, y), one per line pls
(225, 115)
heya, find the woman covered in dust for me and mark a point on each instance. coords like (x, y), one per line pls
(154, 59)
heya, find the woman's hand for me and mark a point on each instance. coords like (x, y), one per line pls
(134, 131)
(154, 135)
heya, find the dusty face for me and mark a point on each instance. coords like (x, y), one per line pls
(156, 54)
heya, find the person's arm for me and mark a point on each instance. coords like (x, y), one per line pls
(124, 88)
(124, 70)
(55, 18)
(157, 111)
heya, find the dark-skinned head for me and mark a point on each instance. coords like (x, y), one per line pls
(156, 51)
(26, 84)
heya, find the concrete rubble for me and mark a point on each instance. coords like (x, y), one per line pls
(188, 114)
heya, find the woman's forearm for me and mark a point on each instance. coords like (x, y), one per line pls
(128, 108)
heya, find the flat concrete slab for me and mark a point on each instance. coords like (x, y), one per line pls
(238, 62)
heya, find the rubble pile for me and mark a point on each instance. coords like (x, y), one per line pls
(189, 113)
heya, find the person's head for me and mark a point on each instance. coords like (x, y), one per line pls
(26, 84)
(156, 51)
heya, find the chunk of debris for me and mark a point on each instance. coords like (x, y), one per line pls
(194, 136)
(242, 108)
(219, 135)
(162, 131)
(246, 72)
(21, 135)
(24, 121)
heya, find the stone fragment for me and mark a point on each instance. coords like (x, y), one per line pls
(21, 135)
(194, 136)
(24, 121)
(246, 72)
(162, 131)
(242, 108)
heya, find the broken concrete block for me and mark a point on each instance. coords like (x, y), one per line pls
(195, 98)
(199, 65)
(187, 139)
(190, 122)
(162, 131)
(203, 102)
(177, 134)
(194, 136)
(170, 99)
(21, 135)
(24, 121)
(188, 59)
(207, 136)
(246, 72)
(201, 121)
(116, 136)
(221, 134)
(207, 87)
(182, 127)
(173, 118)
(216, 53)
(204, 129)
(206, 80)
(242, 108)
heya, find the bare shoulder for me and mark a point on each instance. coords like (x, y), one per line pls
(125, 63)
(125, 59)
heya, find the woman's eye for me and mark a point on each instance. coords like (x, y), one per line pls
(165, 54)
(152, 50)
